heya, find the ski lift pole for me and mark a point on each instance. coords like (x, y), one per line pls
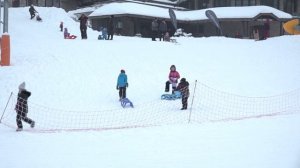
(190, 115)
(5, 40)
(5, 20)
(0, 15)
(6, 106)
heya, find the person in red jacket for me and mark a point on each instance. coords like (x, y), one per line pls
(173, 79)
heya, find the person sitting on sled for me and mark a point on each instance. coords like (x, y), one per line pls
(183, 87)
(67, 34)
(103, 35)
(173, 79)
(167, 37)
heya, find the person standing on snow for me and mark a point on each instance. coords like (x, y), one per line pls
(61, 26)
(111, 26)
(266, 29)
(173, 79)
(83, 27)
(162, 30)
(183, 87)
(122, 84)
(154, 28)
(22, 108)
(32, 12)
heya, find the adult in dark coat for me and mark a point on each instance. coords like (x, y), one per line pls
(154, 29)
(32, 12)
(183, 87)
(22, 108)
(162, 30)
(83, 26)
(111, 26)
(266, 29)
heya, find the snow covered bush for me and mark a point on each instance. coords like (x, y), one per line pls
(180, 33)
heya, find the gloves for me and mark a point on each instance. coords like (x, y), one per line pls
(126, 84)
(117, 87)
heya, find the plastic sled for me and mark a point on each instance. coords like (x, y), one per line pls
(125, 102)
(176, 95)
(71, 37)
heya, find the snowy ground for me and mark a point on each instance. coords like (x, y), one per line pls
(81, 75)
(250, 144)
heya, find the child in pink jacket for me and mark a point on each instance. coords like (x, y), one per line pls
(173, 79)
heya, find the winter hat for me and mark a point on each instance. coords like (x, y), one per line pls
(122, 71)
(22, 86)
(183, 80)
(172, 66)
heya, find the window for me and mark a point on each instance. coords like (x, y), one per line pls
(232, 3)
(238, 3)
(16, 3)
(252, 2)
(221, 3)
(289, 6)
(267, 2)
(245, 2)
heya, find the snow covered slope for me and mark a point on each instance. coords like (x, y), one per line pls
(81, 75)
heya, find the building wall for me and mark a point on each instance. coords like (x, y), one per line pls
(132, 26)
(298, 8)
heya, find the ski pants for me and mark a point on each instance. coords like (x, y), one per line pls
(122, 92)
(83, 32)
(32, 15)
(154, 34)
(167, 88)
(22, 116)
(184, 102)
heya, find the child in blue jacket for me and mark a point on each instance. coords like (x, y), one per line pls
(122, 84)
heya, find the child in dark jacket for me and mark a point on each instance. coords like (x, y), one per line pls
(183, 87)
(22, 108)
(61, 26)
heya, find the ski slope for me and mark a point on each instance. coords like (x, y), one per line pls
(82, 74)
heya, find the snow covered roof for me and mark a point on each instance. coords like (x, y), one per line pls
(173, 2)
(195, 15)
(163, 4)
(89, 9)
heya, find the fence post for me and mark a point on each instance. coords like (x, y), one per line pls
(190, 115)
(6, 106)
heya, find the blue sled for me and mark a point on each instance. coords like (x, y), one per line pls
(176, 95)
(126, 101)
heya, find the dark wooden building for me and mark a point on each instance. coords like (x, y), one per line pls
(243, 22)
